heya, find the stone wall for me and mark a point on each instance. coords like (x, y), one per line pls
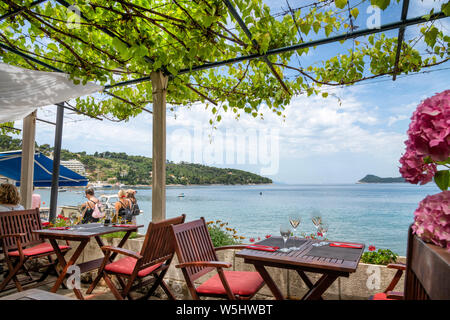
(359, 285)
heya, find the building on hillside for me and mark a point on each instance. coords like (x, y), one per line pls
(74, 165)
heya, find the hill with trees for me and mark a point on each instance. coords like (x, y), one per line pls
(119, 167)
(370, 178)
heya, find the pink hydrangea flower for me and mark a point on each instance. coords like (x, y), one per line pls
(429, 131)
(432, 219)
(414, 170)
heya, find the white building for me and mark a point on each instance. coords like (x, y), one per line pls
(74, 165)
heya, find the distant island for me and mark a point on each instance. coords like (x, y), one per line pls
(370, 178)
(120, 168)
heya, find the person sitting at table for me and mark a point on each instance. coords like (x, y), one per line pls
(9, 198)
(89, 206)
(123, 206)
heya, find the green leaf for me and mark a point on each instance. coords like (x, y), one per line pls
(442, 179)
(340, 3)
(445, 8)
(430, 36)
(355, 12)
(382, 4)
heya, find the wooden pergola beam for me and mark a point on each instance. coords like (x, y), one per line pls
(401, 34)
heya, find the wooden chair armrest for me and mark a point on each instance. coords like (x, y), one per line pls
(11, 235)
(123, 251)
(395, 295)
(398, 266)
(214, 264)
(234, 246)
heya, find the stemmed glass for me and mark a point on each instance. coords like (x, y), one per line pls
(73, 217)
(316, 219)
(285, 231)
(323, 229)
(294, 220)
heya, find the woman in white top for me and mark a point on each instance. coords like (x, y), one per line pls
(9, 198)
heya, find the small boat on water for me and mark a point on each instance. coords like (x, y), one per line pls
(181, 195)
(61, 189)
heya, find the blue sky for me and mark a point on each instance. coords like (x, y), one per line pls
(320, 141)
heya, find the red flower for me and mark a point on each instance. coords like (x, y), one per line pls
(46, 223)
(252, 239)
(319, 234)
(372, 248)
(268, 236)
(259, 238)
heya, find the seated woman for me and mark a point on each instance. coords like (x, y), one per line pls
(9, 198)
(123, 206)
(134, 205)
(89, 206)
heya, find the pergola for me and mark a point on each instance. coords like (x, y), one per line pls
(161, 75)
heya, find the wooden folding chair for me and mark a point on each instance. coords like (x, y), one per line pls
(148, 266)
(388, 294)
(20, 245)
(197, 257)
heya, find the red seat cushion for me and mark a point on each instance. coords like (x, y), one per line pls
(126, 266)
(243, 283)
(380, 296)
(36, 250)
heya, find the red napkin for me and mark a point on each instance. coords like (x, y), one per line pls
(59, 228)
(346, 245)
(124, 225)
(262, 248)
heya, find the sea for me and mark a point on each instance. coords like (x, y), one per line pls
(373, 214)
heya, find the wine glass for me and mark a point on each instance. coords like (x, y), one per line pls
(73, 217)
(285, 231)
(323, 229)
(295, 220)
(316, 218)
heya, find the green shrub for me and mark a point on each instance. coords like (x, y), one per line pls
(120, 234)
(382, 256)
(221, 235)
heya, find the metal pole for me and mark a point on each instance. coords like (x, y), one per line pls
(401, 34)
(56, 161)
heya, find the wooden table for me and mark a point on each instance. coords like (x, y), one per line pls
(302, 262)
(82, 234)
(35, 294)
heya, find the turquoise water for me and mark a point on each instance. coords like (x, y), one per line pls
(374, 214)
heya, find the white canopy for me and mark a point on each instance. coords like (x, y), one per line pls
(23, 90)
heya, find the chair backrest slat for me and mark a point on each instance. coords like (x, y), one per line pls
(158, 245)
(193, 243)
(20, 221)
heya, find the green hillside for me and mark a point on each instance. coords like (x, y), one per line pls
(115, 167)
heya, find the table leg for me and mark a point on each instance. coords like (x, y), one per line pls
(269, 281)
(65, 265)
(306, 280)
(316, 291)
